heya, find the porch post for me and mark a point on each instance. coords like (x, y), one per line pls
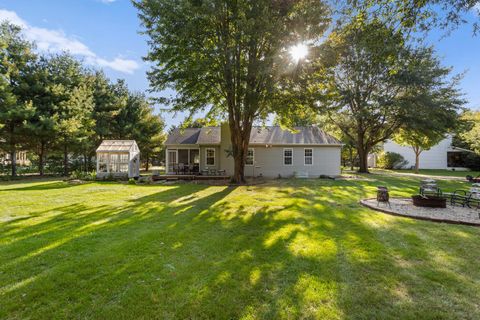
(166, 161)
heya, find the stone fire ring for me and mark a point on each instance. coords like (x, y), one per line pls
(404, 207)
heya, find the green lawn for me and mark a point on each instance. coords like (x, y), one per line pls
(286, 249)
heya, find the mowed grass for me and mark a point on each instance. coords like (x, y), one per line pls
(286, 249)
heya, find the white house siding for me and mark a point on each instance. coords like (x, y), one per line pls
(203, 157)
(269, 161)
(435, 158)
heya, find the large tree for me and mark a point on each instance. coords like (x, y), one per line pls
(16, 60)
(419, 15)
(73, 102)
(471, 130)
(227, 55)
(371, 83)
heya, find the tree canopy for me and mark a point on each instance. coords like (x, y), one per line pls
(371, 81)
(55, 107)
(227, 55)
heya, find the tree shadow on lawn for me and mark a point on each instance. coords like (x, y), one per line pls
(42, 187)
(221, 252)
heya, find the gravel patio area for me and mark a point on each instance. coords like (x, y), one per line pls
(404, 207)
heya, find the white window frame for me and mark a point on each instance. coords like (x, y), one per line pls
(305, 157)
(253, 158)
(206, 157)
(285, 149)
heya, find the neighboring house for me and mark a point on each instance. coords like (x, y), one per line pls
(273, 152)
(118, 158)
(21, 158)
(441, 156)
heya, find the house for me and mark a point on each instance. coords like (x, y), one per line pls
(272, 152)
(118, 158)
(441, 156)
(21, 158)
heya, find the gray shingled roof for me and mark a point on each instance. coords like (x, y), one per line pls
(206, 135)
(260, 135)
(302, 135)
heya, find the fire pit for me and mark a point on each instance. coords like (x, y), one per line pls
(429, 201)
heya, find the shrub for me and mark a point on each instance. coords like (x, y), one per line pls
(80, 175)
(391, 160)
(472, 161)
(132, 181)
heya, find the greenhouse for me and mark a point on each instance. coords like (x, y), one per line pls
(118, 158)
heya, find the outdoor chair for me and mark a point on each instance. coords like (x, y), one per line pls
(181, 168)
(222, 172)
(204, 172)
(429, 188)
(212, 172)
(464, 198)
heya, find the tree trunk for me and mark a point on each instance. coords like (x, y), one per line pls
(240, 140)
(41, 156)
(13, 157)
(65, 157)
(363, 159)
(351, 158)
(85, 165)
(417, 162)
(146, 163)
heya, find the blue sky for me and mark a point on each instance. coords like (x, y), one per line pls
(105, 33)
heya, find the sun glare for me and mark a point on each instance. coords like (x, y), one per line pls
(298, 52)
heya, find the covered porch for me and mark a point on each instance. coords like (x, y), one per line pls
(183, 161)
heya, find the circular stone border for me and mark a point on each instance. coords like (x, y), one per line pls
(368, 204)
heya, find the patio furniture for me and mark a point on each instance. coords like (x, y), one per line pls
(472, 179)
(383, 196)
(222, 172)
(212, 172)
(181, 168)
(429, 187)
(204, 172)
(464, 198)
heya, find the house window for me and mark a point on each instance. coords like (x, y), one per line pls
(288, 157)
(308, 157)
(210, 155)
(249, 161)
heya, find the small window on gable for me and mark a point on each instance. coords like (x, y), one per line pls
(287, 157)
(210, 156)
(249, 161)
(308, 157)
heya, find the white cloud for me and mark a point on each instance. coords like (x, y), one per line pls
(108, 1)
(50, 40)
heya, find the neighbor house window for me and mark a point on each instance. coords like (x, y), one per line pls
(249, 161)
(210, 155)
(287, 157)
(308, 157)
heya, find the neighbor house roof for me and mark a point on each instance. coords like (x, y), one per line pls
(117, 146)
(206, 135)
(271, 135)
